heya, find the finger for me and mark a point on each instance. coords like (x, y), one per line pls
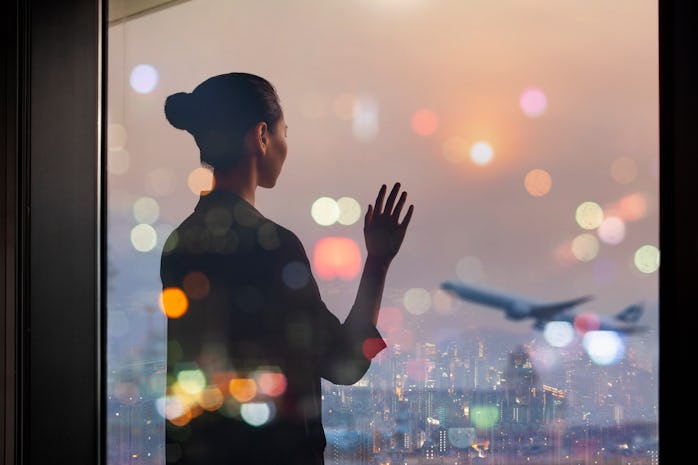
(379, 200)
(408, 217)
(400, 204)
(391, 197)
(369, 215)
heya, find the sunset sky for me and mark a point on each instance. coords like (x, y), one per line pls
(499, 118)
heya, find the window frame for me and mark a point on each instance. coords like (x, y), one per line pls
(53, 203)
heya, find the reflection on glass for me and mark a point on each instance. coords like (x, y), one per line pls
(509, 123)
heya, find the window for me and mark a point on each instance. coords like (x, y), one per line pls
(527, 137)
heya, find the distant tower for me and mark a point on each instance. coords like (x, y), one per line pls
(519, 387)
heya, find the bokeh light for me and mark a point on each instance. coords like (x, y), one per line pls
(443, 302)
(160, 181)
(343, 106)
(143, 78)
(589, 215)
(585, 322)
(349, 211)
(118, 161)
(170, 407)
(337, 257)
(417, 300)
(268, 236)
(604, 347)
(481, 153)
(242, 389)
(272, 384)
(325, 211)
(646, 259)
(455, 149)
(585, 247)
(256, 413)
(424, 122)
(196, 285)
(470, 269)
(624, 170)
(191, 381)
(537, 182)
(200, 181)
(211, 399)
(146, 210)
(365, 119)
(389, 319)
(484, 416)
(533, 102)
(295, 275)
(143, 237)
(558, 333)
(173, 302)
(631, 207)
(611, 230)
(218, 221)
(116, 137)
(461, 437)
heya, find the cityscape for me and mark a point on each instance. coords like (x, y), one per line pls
(470, 401)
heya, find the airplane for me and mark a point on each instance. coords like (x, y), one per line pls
(518, 308)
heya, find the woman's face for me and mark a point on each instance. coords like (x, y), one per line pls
(275, 156)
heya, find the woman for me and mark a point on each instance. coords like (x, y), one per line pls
(246, 357)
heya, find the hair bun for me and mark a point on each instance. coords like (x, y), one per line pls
(178, 110)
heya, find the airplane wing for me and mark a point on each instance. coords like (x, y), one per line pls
(631, 314)
(515, 308)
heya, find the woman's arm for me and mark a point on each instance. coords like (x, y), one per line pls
(383, 233)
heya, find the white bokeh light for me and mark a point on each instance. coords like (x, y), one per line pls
(146, 210)
(365, 119)
(481, 153)
(646, 259)
(325, 211)
(603, 347)
(417, 300)
(349, 211)
(589, 215)
(143, 78)
(558, 333)
(143, 237)
(585, 247)
(256, 413)
(612, 230)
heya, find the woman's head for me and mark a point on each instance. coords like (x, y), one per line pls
(220, 112)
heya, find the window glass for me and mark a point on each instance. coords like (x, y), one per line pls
(526, 134)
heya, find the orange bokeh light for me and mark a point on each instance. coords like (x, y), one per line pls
(173, 302)
(242, 389)
(337, 257)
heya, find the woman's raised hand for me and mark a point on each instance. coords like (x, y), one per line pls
(383, 230)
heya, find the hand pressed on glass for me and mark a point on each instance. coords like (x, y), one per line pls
(383, 230)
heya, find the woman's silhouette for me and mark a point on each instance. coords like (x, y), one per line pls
(246, 356)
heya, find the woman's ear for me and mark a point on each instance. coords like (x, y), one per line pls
(262, 135)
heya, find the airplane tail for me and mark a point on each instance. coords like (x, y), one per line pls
(630, 314)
